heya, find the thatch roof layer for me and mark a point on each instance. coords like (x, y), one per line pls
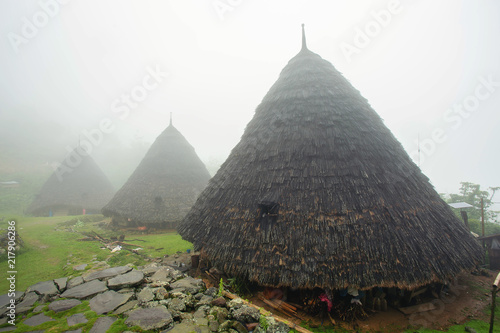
(164, 185)
(73, 188)
(319, 193)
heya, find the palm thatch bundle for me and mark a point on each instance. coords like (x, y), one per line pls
(319, 193)
(70, 190)
(164, 185)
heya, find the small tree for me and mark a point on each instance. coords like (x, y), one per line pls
(472, 194)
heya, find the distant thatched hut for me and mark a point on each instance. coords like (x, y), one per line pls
(78, 188)
(319, 193)
(163, 187)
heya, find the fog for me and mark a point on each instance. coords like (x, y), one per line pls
(430, 70)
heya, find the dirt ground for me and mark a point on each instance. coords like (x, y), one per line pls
(468, 297)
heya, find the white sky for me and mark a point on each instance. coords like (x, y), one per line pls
(429, 56)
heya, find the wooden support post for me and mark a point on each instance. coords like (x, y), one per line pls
(465, 218)
(482, 216)
(493, 297)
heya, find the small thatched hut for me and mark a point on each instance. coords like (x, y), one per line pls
(319, 193)
(77, 186)
(163, 187)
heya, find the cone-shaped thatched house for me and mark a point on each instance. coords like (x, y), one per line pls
(163, 187)
(77, 186)
(319, 193)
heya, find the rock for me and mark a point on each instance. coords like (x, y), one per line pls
(131, 278)
(213, 325)
(275, 326)
(146, 295)
(78, 318)
(177, 304)
(232, 324)
(202, 312)
(102, 324)
(85, 290)
(150, 319)
(74, 282)
(205, 300)
(160, 293)
(5, 299)
(163, 276)
(198, 296)
(37, 320)
(44, 288)
(235, 304)
(27, 302)
(189, 285)
(74, 331)
(107, 273)
(219, 301)
(201, 321)
(61, 283)
(150, 269)
(64, 305)
(246, 314)
(108, 301)
(212, 291)
(126, 307)
(80, 267)
(183, 328)
(220, 314)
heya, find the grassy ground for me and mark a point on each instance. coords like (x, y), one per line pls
(52, 248)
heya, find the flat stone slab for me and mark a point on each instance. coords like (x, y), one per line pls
(102, 324)
(5, 299)
(8, 329)
(37, 320)
(85, 290)
(63, 305)
(126, 307)
(74, 331)
(184, 327)
(78, 318)
(146, 295)
(188, 284)
(128, 279)
(44, 288)
(108, 301)
(150, 319)
(107, 273)
(74, 282)
(28, 301)
(80, 267)
(61, 283)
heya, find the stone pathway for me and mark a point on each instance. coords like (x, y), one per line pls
(154, 297)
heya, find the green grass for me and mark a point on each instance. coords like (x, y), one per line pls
(52, 248)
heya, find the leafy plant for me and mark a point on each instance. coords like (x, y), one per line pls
(263, 323)
(221, 287)
(239, 286)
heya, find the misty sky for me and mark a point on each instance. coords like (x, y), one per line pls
(429, 68)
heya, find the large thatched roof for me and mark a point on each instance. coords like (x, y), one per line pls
(319, 193)
(164, 186)
(77, 184)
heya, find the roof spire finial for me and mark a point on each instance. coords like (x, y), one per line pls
(304, 45)
(170, 118)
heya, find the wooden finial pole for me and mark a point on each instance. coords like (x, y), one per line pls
(304, 44)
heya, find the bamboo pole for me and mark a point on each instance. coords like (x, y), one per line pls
(267, 313)
(493, 297)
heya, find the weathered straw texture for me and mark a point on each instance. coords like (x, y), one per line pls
(84, 186)
(346, 206)
(164, 186)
